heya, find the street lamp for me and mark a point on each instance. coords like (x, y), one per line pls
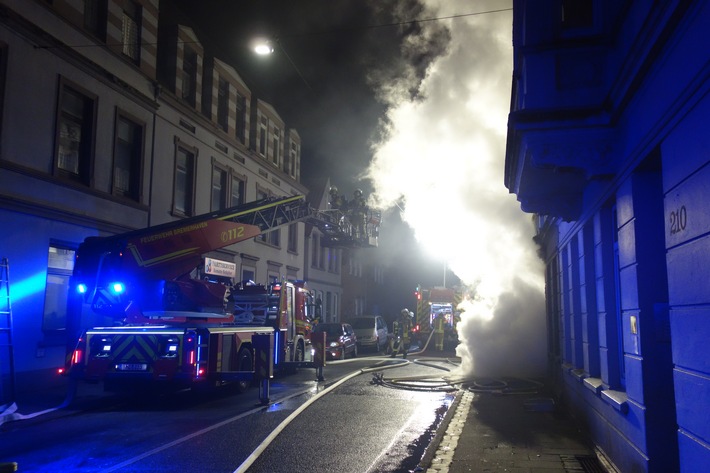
(265, 47)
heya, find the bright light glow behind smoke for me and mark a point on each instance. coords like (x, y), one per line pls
(444, 155)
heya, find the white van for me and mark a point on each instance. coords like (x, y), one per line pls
(371, 331)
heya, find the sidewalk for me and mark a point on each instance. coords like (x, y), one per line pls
(521, 433)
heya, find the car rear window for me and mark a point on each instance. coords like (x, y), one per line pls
(331, 329)
(362, 323)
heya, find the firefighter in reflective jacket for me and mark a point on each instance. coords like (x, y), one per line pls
(402, 328)
(439, 331)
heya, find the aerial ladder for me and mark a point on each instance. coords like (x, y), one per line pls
(142, 308)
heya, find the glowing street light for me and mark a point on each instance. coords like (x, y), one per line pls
(265, 47)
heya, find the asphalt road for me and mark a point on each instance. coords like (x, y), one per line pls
(349, 423)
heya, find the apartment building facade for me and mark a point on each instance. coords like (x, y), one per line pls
(115, 117)
(607, 146)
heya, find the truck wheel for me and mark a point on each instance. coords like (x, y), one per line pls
(245, 362)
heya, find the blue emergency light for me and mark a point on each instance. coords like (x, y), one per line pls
(117, 287)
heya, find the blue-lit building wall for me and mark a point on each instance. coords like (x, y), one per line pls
(608, 147)
(38, 352)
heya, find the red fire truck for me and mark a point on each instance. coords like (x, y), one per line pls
(159, 315)
(430, 303)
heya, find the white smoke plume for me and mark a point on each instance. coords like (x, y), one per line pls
(442, 154)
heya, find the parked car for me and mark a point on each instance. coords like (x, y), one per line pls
(371, 331)
(340, 340)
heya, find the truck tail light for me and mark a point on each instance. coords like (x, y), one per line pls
(77, 356)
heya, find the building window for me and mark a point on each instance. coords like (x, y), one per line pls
(127, 158)
(227, 188)
(263, 127)
(241, 125)
(331, 260)
(617, 317)
(275, 237)
(131, 30)
(336, 308)
(95, 18)
(219, 188)
(3, 78)
(248, 273)
(236, 191)
(260, 195)
(189, 76)
(321, 257)
(290, 160)
(577, 14)
(329, 306)
(223, 104)
(184, 188)
(60, 265)
(277, 147)
(314, 251)
(75, 140)
(293, 237)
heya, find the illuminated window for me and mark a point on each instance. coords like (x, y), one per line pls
(60, 264)
(75, 134)
(131, 30)
(127, 158)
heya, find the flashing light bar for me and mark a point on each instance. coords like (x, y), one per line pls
(81, 288)
(117, 287)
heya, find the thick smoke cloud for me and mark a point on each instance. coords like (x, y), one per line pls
(441, 158)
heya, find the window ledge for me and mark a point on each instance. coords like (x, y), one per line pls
(616, 399)
(596, 385)
(579, 373)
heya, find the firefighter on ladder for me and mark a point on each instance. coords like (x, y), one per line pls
(439, 332)
(402, 328)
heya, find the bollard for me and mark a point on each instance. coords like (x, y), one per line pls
(318, 341)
